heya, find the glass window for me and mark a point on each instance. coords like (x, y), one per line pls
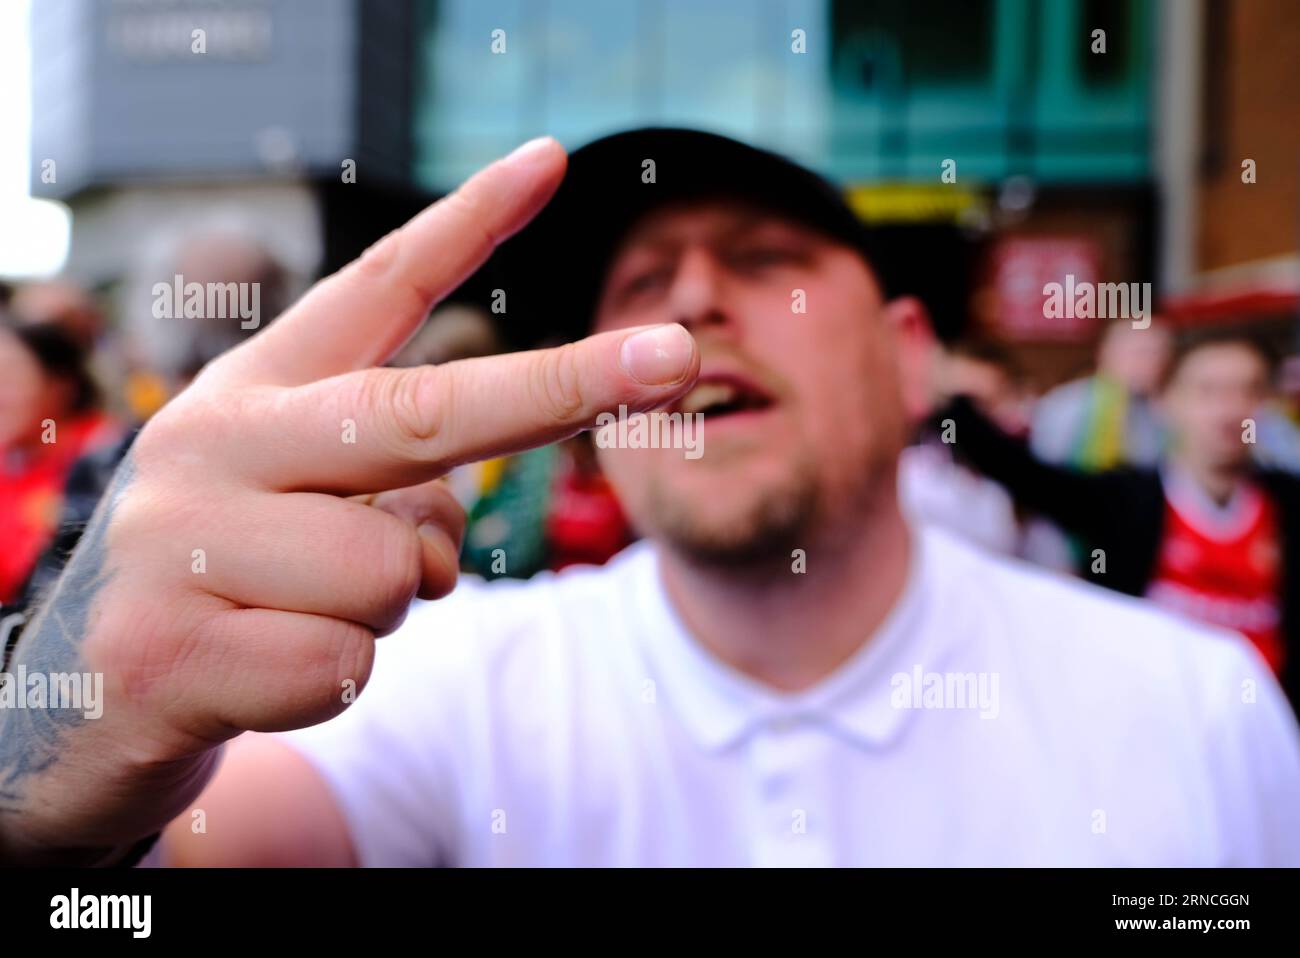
(937, 42)
(1112, 67)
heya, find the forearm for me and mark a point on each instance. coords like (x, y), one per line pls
(1063, 495)
(73, 795)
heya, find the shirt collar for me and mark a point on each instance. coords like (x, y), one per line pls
(1222, 522)
(720, 706)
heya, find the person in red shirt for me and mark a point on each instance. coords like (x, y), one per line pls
(49, 417)
(1220, 555)
(1220, 562)
(1208, 534)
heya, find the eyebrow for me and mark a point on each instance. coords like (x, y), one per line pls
(740, 224)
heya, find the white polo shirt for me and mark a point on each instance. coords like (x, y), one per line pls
(1000, 716)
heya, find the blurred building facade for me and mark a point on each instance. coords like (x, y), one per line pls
(1241, 248)
(1100, 137)
(158, 121)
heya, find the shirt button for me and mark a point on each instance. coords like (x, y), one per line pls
(775, 783)
(784, 723)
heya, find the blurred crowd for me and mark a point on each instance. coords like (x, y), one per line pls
(1151, 474)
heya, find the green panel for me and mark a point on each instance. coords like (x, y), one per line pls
(1036, 101)
(1091, 117)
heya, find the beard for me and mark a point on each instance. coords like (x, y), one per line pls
(767, 528)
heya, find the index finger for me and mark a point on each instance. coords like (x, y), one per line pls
(410, 425)
(362, 314)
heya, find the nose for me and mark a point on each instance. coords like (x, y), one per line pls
(695, 298)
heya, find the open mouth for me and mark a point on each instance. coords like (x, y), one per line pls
(718, 396)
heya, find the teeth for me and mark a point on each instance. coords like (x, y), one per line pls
(708, 394)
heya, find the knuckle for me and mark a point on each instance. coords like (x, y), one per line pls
(399, 569)
(472, 220)
(457, 521)
(407, 402)
(379, 258)
(160, 436)
(441, 566)
(380, 264)
(198, 423)
(156, 653)
(556, 384)
(354, 653)
(337, 655)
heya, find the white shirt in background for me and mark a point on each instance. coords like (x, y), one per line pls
(935, 488)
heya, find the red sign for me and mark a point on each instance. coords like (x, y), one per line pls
(1023, 269)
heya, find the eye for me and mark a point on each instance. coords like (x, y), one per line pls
(762, 257)
(644, 281)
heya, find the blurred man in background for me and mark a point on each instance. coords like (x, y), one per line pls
(1099, 421)
(217, 257)
(1107, 419)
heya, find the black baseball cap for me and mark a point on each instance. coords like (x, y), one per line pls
(552, 271)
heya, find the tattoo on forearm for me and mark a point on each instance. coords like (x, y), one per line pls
(31, 739)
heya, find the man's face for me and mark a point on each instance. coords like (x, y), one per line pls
(803, 410)
(1213, 390)
(1135, 358)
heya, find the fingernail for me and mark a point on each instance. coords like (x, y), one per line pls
(659, 356)
(525, 153)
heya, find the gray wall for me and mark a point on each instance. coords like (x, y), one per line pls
(119, 95)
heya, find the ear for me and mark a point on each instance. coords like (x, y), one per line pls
(919, 356)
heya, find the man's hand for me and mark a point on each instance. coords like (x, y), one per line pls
(282, 512)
